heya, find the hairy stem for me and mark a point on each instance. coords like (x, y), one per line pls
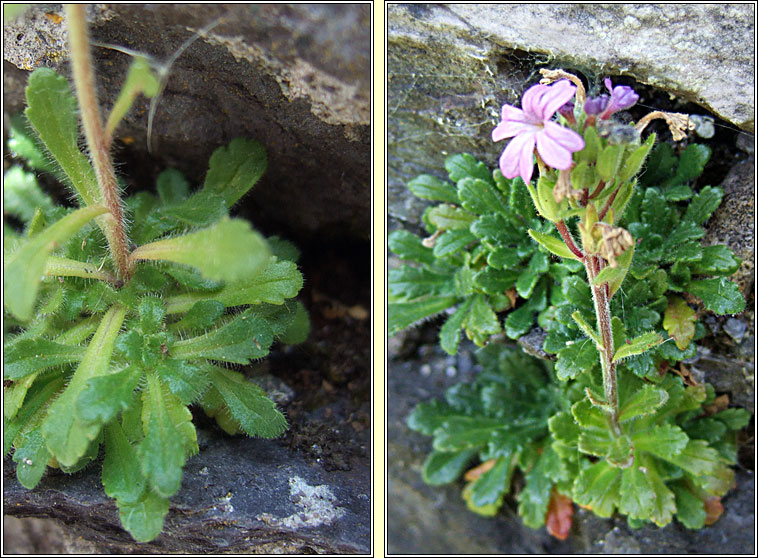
(603, 313)
(566, 236)
(84, 81)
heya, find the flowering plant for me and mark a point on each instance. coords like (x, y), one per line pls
(614, 430)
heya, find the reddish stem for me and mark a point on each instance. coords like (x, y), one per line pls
(566, 236)
(597, 191)
(608, 203)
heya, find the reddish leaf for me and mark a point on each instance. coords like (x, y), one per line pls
(479, 470)
(713, 510)
(560, 510)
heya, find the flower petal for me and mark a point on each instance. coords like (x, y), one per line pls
(509, 112)
(552, 152)
(557, 95)
(531, 100)
(517, 158)
(511, 128)
(566, 137)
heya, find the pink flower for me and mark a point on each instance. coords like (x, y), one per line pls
(532, 125)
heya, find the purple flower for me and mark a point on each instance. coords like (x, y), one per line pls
(595, 105)
(622, 97)
(532, 125)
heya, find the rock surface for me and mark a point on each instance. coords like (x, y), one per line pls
(296, 78)
(238, 495)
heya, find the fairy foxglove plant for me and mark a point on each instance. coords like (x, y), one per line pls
(614, 426)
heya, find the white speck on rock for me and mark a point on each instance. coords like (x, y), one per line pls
(316, 505)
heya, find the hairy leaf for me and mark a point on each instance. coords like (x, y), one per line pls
(23, 270)
(703, 205)
(52, 110)
(409, 247)
(121, 476)
(67, 437)
(679, 321)
(234, 169)
(248, 404)
(144, 519)
(720, 296)
(428, 187)
(227, 251)
(28, 356)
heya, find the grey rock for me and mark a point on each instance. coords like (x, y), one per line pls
(238, 495)
(295, 77)
(703, 53)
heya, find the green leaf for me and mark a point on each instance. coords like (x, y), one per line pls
(734, 418)
(638, 345)
(692, 162)
(680, 192)
(105, 396)
(428, 187)
(552, 244)
(664, 505)
(597, 488)
(121, 476)
(409, 247)
(446, 217)
(535, 496)
(588, 330)
(244, 338)
(697, 458)
(608, 161)
(24, 144)
(298, 329)
(490, 487)
(445, 467)
(481, 319)
(428, 416)
(277, 282)
(186, 380)
(635, 159)
(495, 281)
(144, 519)
(690, 510)
(644, 402)
(716, 260)
(703, 205)
(679, 321)
(450, 332)
(234, 169)
(248, 404)
(28, 356)
(405, 314)
(67, 437)
(615, 276)
(412, 282)
(161, 455)
(463, 165)
(201, 209)
(52, 110)
(172, 187)
(576, 358)
(32, 457)
(24, 269)
(22, 195)
(452, 241)
(139, 79)
(480, 196)
(227, 251)
(664, 441)
(720, 296)
(637, 496)
(464, 432)
(201, 315)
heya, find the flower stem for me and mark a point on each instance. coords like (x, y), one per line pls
(84, 80)
(603, 314)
